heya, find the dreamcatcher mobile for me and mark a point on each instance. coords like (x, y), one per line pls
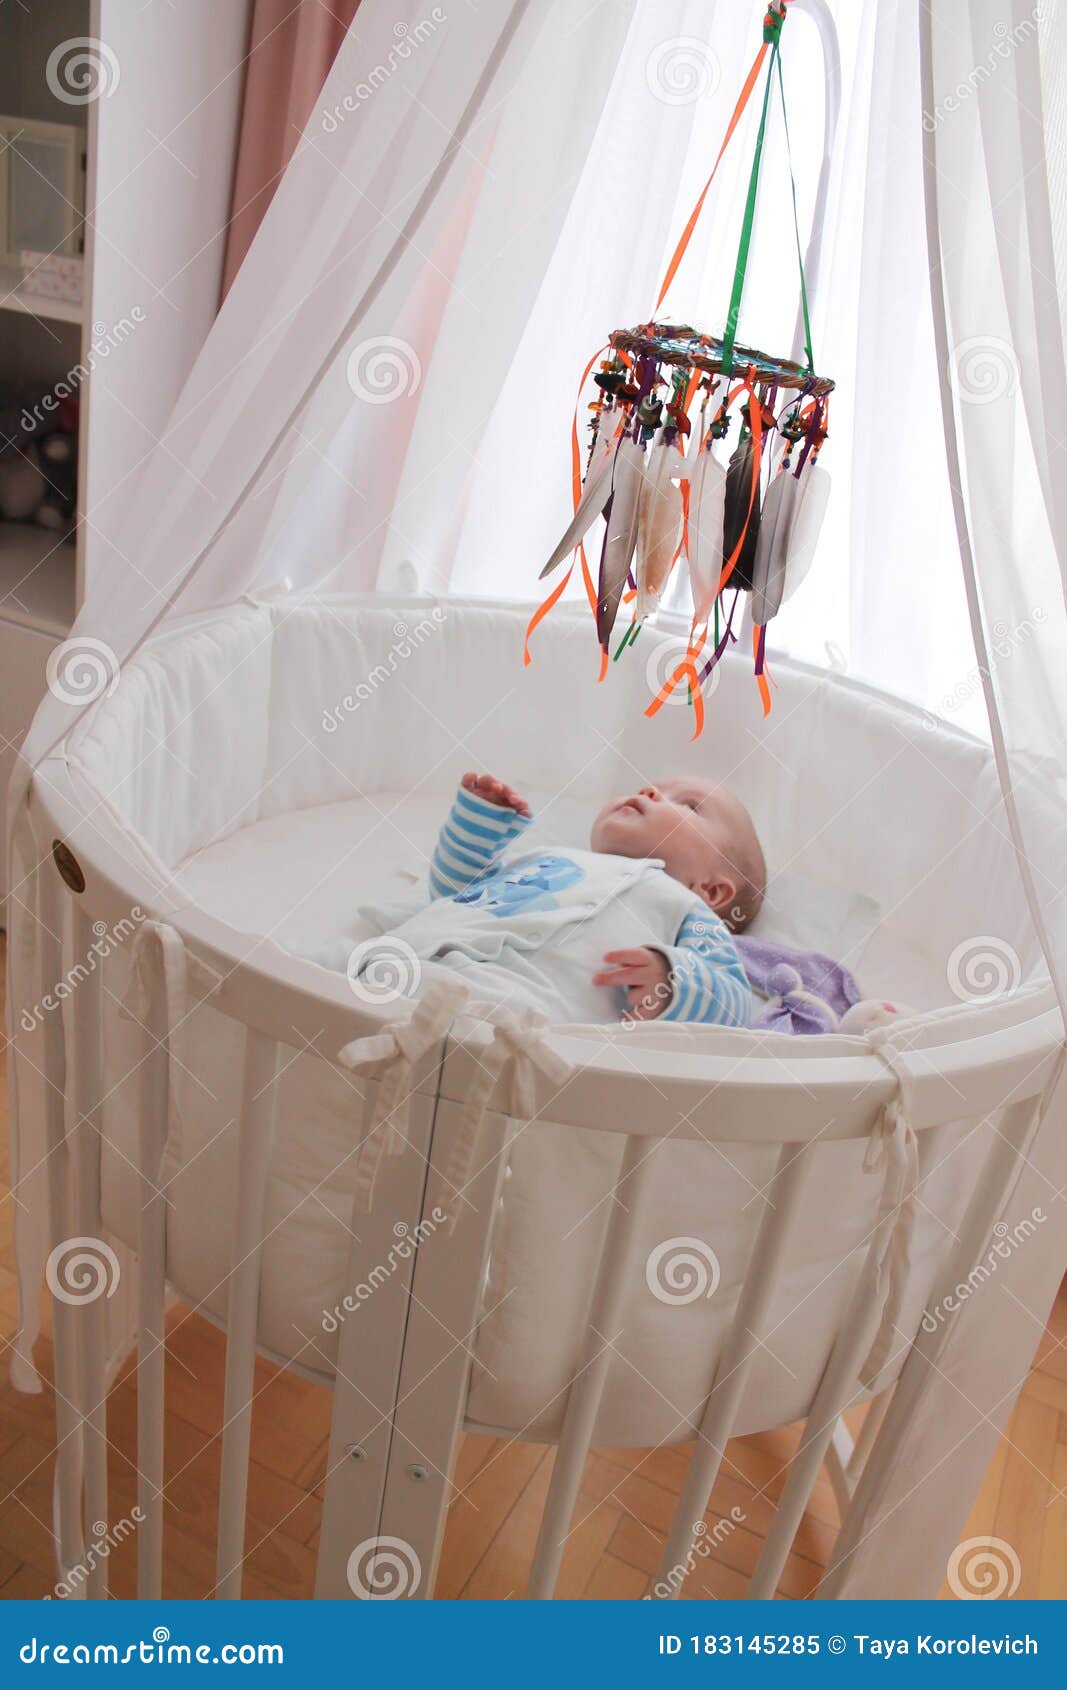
(667, 396)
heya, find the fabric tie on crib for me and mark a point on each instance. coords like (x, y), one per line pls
(159, 954)
(893, 1147)
(396, 1050)
(519, 1043)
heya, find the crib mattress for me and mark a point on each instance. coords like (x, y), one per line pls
(315, 867)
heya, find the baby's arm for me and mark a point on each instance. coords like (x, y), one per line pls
(709, 984)
(485, 817)
(698, 978)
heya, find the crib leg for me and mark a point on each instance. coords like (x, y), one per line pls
(761, 1277)
(152, 1255)
(87, 1034)
(69, 1393)
(446, 1303)
(837, 1461)
(864, 1443)
(255, 1145)
(373, 1323)
(583, 1400)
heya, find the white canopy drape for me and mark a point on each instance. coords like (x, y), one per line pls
(997, 283)
(457, 230)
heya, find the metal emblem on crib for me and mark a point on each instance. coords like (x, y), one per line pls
(68, 866)
(656, 470)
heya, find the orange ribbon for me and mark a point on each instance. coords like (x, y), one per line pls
(694, 215)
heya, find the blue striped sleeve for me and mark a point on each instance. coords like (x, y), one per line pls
(472, 841)
(707, 980)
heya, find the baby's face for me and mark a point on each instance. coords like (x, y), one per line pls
(690, 824)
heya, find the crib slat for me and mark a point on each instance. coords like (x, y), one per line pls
(731, 1376)
(583, 1400)
(1011, 1139)
(836, 1386)
(87, 1033)
(378, 1335)
(152, 1255)
(255, 1145)
(68, 1390)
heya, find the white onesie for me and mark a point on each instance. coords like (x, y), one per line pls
(533, 927)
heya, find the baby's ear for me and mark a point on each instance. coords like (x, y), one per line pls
(718, 894)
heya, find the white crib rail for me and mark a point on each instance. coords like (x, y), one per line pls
(152, 1257)
(255, 1146)
(86, 1037)
(71, 1403)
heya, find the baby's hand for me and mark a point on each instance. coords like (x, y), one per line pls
(494, 791)
(646, 978)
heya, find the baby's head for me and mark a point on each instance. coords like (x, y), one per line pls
(702, 833)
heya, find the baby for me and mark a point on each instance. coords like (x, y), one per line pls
(638, 924)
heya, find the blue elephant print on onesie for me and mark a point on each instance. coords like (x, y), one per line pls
(529, 885)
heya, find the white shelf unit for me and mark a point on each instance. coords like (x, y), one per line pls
(38, 578)
(163, 135)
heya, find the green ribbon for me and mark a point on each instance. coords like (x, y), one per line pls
(771, 34)
(796, 227)
(730, 333)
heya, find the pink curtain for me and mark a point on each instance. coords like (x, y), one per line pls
(291, 48)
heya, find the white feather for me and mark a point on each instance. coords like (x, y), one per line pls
(594, 492)
(814, 494)
(772, 546)
(621, 538)
(659, 519)
(707, 504)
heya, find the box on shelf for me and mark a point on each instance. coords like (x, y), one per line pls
(49, 275)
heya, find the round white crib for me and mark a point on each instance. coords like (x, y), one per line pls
(665, 1234)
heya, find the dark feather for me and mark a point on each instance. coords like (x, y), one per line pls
(738, 487)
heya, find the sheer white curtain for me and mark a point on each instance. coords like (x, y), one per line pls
(995, 185)
(397, 262)
(886, 597)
